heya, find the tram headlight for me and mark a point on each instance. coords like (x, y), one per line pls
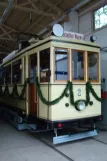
(81, 106)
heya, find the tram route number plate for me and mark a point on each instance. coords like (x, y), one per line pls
(79, 92)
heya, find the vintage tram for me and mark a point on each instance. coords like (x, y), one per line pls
(53, 84)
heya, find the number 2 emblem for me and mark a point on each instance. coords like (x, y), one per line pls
(79, 92)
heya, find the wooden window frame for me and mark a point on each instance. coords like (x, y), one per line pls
(68, 63)
(29, 63)
(85, 62)
(49, 66)
(98, 67)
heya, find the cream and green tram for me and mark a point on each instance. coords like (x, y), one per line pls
(54, 84)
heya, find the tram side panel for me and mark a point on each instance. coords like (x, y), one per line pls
(43, 109)
(12, 101)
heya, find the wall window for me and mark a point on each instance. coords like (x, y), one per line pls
(45, 65)
(100, 17)
(61, 64)
(17, 71)
(8, 74)
(93, 66)
(77, 65)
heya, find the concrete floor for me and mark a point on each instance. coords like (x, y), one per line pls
(21, 146)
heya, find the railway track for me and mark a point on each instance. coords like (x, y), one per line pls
(52, 147)
(99, 141)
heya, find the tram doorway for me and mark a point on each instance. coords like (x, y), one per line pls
(32, 87)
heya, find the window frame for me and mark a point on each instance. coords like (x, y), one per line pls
(68, 64)
(49, 66)
(29, 64)
(10, 73)
(18, 83)
(85, 62)
(98, 68)
(93, 17)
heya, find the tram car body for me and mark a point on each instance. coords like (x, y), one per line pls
(56, 80)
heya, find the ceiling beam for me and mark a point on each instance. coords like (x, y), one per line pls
(33, 5)
(4, 53)
(31, 26)
(6, 11)
(6, 33)
(10, 28)
(26, 3)
(5, 47)
(8, 39)
(26, 9)
(53, 6)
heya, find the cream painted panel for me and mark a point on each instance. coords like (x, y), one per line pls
(43, 109)
(61, 112)
(35, 50)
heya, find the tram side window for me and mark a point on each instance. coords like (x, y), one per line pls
(2, 75)
(61, 64)
(77, 65)
(8, 74)
(45, 65)
(92, 66)
(16, 71)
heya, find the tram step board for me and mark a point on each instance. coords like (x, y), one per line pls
(68, 138)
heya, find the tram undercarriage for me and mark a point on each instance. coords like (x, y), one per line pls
(64, 131)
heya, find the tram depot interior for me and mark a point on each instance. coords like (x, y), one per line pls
(53, 80)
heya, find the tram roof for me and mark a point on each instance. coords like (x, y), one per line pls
(52, 39)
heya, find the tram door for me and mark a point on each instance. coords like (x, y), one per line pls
(32, 87)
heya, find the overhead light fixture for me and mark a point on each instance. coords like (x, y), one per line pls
(93, 38)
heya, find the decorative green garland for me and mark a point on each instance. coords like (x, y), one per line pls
(23, 90)
(14, 91)
(69, 87)
(43, 98)
(6, 91)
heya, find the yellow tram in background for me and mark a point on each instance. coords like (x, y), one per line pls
(53, 84)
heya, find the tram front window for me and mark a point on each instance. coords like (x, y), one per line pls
(92, 66)
(61, 64)
(77, 65)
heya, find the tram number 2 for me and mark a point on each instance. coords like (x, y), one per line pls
(79, 92)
